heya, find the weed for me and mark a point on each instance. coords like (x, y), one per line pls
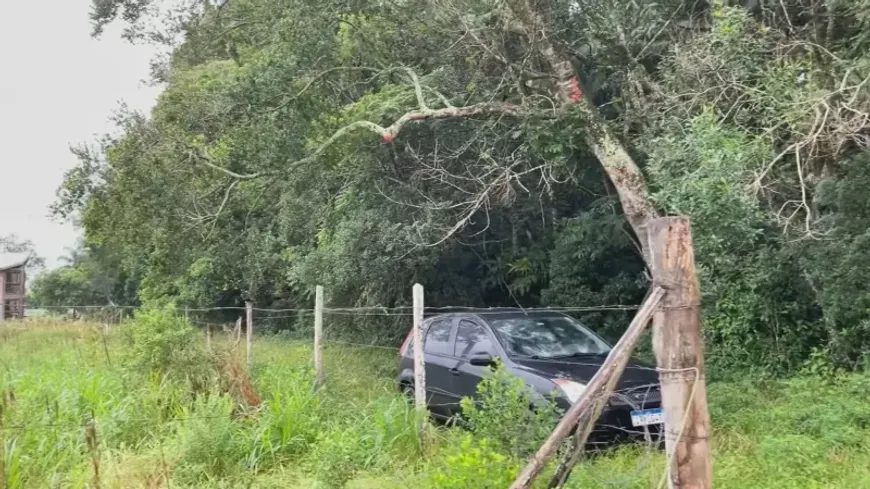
(153, 431)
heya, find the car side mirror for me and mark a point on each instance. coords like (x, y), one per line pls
(481, 359)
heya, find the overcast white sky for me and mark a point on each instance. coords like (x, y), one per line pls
(58, 87)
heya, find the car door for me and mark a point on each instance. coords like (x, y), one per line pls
(471, 338)
(438, 350)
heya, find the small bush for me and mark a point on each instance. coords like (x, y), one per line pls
(339, 454)
(474, 463)
(159, 340)
(506, 412)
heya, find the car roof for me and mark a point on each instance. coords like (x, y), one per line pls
(503, 314)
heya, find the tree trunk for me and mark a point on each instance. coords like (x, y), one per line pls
(621, 168)
(679, 350)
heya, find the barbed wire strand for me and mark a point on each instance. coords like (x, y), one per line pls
(395, 310)
(381, 311)
(50, 426)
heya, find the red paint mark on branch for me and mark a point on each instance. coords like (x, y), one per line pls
(575, 93)
(388, 137)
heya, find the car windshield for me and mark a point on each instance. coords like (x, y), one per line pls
(547, 337)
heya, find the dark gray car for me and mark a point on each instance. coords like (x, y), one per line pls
(552, 352)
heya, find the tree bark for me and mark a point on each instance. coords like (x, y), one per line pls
(623, 171)
(679, 350)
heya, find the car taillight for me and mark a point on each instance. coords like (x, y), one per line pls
(404, 347)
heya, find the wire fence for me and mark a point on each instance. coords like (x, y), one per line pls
(231, 322)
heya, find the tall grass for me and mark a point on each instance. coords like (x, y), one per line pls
(159, 429)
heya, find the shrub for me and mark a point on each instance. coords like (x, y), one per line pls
(339, 454)
(159, 341)
(507, 413)
(474, 463)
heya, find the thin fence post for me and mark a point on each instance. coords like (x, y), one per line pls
(208, 336)
(2, 297)
(419, 361)
(318, 334)
(249, 308)
(187, 313)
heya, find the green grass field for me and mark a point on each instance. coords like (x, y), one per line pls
(75, 414)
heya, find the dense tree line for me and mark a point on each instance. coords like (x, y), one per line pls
(265, 167)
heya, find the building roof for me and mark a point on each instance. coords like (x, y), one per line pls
(13, 260)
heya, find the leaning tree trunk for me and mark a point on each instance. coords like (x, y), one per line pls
(620, 167)
(667, 249)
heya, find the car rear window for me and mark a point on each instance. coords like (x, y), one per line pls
(438, 337)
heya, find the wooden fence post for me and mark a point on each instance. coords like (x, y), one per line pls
(208, 336)
(318, 335)
(2, 297)
(679, 350)
(598, 391)
(249, 308)
(419, 361)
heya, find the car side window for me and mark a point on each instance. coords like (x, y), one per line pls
(438, 337)
(471, 338)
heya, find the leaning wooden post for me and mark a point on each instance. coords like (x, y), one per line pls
(249, 308)
(419, 361)
(679, 350)
(318, 335)
(587, 409)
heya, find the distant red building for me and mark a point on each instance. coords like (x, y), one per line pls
(13, 285)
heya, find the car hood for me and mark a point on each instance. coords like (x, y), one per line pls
(582, 368)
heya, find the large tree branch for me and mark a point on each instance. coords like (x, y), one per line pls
(238, 176)
(378, 72)
(483, 109)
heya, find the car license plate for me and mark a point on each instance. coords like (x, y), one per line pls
(647, 417)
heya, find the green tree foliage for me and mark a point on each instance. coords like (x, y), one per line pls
(262, 170)
(91, 275)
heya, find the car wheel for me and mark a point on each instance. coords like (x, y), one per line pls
(408, 391)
